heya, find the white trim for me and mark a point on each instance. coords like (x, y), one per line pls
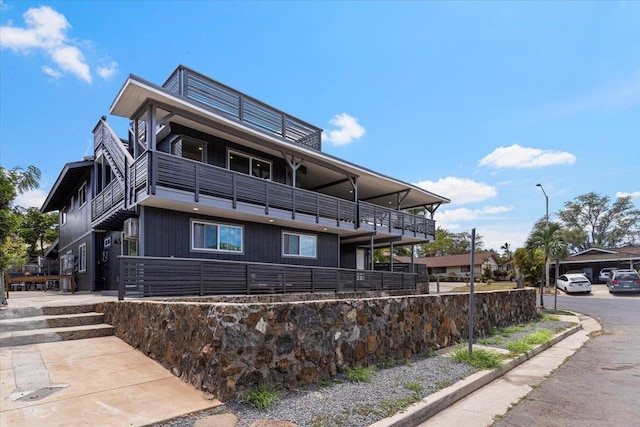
(298, 255)
(218, 225)
(82, 259)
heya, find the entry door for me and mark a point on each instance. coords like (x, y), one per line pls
(361, 259)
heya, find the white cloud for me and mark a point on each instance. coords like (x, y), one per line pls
(465, 214)
(518, 157)
(51, 72)
(348, 130)
(459, 190)
(33, 198)
(46, 31)
(623, 194)
(3, 5)
(107, 71)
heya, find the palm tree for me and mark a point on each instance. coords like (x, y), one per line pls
(507, 250)
(550, 241)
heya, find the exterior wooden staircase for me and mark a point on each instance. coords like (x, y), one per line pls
(34, 325)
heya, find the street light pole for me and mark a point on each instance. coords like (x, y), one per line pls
(546, 260)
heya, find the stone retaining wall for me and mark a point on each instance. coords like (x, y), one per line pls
(222, 348)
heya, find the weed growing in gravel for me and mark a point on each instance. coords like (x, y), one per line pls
(429, 353)
(263, 397)
(491, 340)
(443, 384)
(413, 386)
(479, 358)
(387, 362)
(360, 374)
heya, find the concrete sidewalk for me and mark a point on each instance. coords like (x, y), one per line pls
(482, 398)
(95, 381)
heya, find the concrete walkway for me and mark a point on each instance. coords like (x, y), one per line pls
(96, 381)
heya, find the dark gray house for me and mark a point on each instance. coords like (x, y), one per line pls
(215, 192)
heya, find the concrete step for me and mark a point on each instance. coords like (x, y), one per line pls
(20, 312)
(54, 321)
(37, 336)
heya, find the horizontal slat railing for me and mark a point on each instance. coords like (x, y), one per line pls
(396, 222)
(109, 199)
(178, 173)
(160, 277)
(241, 107)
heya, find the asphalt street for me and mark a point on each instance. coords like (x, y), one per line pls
(600, 384)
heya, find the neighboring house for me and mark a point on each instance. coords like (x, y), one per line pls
(591, 261)
(215, 192)
(455, 266)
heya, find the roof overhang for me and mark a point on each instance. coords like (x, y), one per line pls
(380, 189)
(66, 183)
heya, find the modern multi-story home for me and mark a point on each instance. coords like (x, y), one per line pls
(215, 192)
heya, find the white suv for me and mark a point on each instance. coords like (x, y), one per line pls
(604, 274)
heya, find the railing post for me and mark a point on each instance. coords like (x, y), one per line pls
(248, 279)
(266, 197)
(317, 208)
(313, 279)
(338, 214)
(241, 108)
(233, 190)
(196, 195)
(120, 279)
(201, 278)
(293, 203)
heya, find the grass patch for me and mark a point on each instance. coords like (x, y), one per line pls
(519, 347)
(479, 358)
(540, 336)
(491, 341)
(413, 386)
(263, 397)
(481, 287)
(360, 374)
(387, 362)
(510, 330)
(443, 384)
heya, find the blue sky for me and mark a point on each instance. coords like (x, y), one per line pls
(475, 101)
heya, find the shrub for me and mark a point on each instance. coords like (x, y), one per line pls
(263, 397)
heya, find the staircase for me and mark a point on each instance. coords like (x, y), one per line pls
(35, 325)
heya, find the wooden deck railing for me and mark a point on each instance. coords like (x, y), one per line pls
(241, 107)
(160, 277)
(108, 200)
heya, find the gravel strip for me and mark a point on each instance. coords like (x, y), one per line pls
(350, 404)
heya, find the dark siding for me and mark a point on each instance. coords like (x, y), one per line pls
(348, 256)
(217, 150)
(167, 233)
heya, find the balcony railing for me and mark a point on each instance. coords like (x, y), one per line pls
(243, 108)
(161, 277)
(109, 199)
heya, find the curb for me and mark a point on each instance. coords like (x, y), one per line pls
(442, 399)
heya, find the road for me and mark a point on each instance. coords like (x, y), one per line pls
(600, 384)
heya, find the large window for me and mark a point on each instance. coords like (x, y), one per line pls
(249, 165)
(63, 216)
(208, 236)
(188, 148)
(302, 245)
(82, 258)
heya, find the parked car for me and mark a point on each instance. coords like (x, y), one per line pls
(623, 281)
(604, 274)
(573, 282)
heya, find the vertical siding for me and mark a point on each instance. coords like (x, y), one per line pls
(167, 233)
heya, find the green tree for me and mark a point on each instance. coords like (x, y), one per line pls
(38, 230)
(529, 264)
(447, 243)
(551, 242)
(591, 221)
(13, 182)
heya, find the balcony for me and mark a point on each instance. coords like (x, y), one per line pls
(242, 108)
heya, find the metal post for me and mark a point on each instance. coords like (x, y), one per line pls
(471, 295)
(546, 261)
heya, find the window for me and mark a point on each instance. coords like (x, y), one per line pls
(440, 270)
(188, 148)
(82, 258)
(72, 204)
(82, 195)
(63, 216)
(302, 245)
(207, 236)
(465, 269)
(107, 242)
(249, 165)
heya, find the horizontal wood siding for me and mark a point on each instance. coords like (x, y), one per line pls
(167, 233)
